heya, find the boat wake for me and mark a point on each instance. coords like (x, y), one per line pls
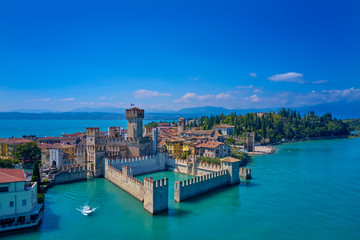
(86, 210)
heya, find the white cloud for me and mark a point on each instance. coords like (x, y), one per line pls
(39, 100)
(66, 99)
(252, 74)
(223, 96)
(188, 97)
(142, 93)
(287, 77)
(196, 78)
(254, 98)
(319, 82)
(258, 90)
(104, 98)
(245, 87)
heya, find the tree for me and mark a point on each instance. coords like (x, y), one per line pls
(27, 152)
(36, 175)
(6, 163)
(230, 140)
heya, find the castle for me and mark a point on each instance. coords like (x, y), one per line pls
(115, 144)
(119, 158)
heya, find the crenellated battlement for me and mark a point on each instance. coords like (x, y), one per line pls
(129, 160)
(200, 179)
(210, 166)
(150, 183)
(181, 161)
(134, 113)
(201, 184)
(92, 131)
(140, 165)
(73, 168)
(70, 173)
(125, 176)
(245, 173)
(97, 148)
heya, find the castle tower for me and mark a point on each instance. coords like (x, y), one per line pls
(94, 152)
(232, 165)
(135, 118)
(250, 141)
(181, 125)
(154, 141)
(92, 135)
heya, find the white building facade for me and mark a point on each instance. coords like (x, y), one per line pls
(19, 206)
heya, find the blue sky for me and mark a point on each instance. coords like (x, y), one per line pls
(61, 55)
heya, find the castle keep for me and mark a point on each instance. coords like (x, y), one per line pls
(119, 158)
(115, 144)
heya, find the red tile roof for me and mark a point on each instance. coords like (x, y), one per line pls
(223, 126)
(11, 175)
(209, 145)
(14, 140)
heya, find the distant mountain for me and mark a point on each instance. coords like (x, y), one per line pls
(101, 109)
(208, 110)
(32, 110)
(342, 110)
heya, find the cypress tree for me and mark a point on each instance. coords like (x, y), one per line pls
(36, 175)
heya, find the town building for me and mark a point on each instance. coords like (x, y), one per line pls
(213, 150)
(7, 146)
(224, 129)
(71, 139)
(49, 140)
(57, 155)
(19, 206)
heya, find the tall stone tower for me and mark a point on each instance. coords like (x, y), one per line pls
(181, 125)
(250, 141)
(135, 118)
(95, 152)
(232, 165)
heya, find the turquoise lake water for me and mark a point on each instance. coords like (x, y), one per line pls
(18, 128)
(306, 190)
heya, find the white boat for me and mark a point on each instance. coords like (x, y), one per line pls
(87, 210)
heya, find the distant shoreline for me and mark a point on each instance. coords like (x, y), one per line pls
(271, 149)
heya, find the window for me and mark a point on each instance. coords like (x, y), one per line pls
(11, 204)
(4, 189)
(24, 202)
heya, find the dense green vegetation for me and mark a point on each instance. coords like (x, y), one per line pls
(286, 124)
(354, 124)
(151, 125)
(27, 153)
(36, 175)
(238, 155)
(7, 163)
(209, 160)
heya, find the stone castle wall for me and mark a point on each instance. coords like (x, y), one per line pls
(245, 173)
(156, 195)
(127, 182)
(184, 166)
(140, 165)
(153, 194)
(177, 165)
(199, 185)
(70, 174)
